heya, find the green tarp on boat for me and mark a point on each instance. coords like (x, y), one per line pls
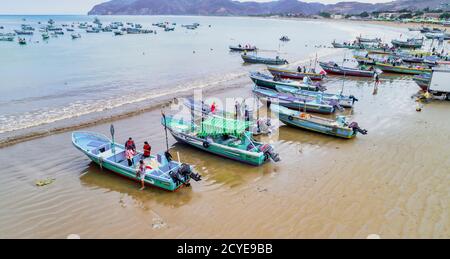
(214, 126)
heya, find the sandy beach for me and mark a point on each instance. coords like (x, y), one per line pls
(394, 182)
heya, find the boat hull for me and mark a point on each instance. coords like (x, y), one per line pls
(130, 174)
(284, 73)
(346, 72)
(402, 70)
(273, 84)
(219, 150)
(320, 128)
(267, 61)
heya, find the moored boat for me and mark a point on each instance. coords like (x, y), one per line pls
(343, 100)
(347, 45)
(337, 128)
(402, 69)
(333, 68)
(271, 82)
(409, 43)
(243, 48)
(22, 41)
(161, 170)
(368, 40)
(317, 104)
(294, 74)
(221, 136)
(423, 81)
(253, 59)
(23, 32)
(6, 38)
(75, 36)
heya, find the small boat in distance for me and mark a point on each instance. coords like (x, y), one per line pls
(337, 128)
(240, 47)
(333, 68)
(285, 38)
(6, 38)
(161, 171)
(75, 36)
(22, 41)
(368, 40)
(253, 59)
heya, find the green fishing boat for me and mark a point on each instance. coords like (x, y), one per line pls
(221, 136)
(402, 69)
(45, 36)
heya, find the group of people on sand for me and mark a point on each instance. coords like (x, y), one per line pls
(130, 152)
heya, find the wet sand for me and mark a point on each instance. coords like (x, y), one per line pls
(394, 182)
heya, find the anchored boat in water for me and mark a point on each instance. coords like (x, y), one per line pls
(402, 69)
(243, 48)
(338, 128)
(343, 100)
(221, 136)
(294, 74)
(161, 170)
(271, 82)
(317, 104)
(333, 68)
(262, 60)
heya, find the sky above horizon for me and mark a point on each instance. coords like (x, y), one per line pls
(83, 6)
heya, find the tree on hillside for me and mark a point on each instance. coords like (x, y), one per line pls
(445, 16)
(325, 14)
(364, 14)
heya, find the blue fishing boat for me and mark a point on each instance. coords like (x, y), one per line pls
(6, 38)
(271, 82)
(343, 100)
(253, 59)
(161, 171)
(317, 105)
(23, 32)
(338, 127)
(333, 68)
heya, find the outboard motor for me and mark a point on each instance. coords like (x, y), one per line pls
(320, 87)
(269, 152)
(356, 128)
(184, 174)
(336, 105)
(354, 99)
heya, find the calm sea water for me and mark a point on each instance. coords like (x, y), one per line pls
(392, 182)
(59, 82)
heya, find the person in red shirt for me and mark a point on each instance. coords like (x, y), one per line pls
(147, 149)
(213, 107)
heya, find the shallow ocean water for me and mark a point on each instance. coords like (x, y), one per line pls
(392, 182)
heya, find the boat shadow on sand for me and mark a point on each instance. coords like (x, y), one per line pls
(96, 178)
(217, 171)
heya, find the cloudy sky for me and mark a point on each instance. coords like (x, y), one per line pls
(83, 6)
